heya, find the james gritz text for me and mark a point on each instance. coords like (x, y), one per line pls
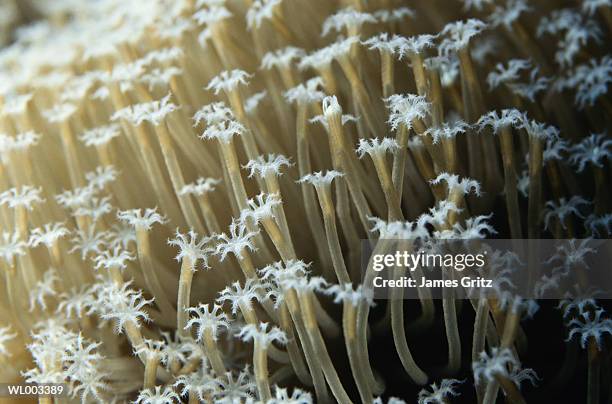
(406, 282)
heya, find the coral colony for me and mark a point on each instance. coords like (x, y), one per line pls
(185, 187)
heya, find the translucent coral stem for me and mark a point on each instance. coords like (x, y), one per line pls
(13, 301)
(349, 325)
(594, 374)
(391, 195)
(237, 184)
(479, 337)
(70, 151)
(265, 139)
(260, 366)
(308, 195)
(273, 187)
(602, 198)
(428, 310)
(21, 222)
(362, 97)
(342, 161)
(232, 166)
(312, 360)
(134, 335)
(320, 350)
(210, 218)
(534, 206)
(150, 371)
(184, 295)
(363, 311)
(213, 353)
(490, 396)
(437, 100)
(511, 325)
(284, 248)
(347, 224)
(331, 233)
(177, 179)
(248, 140)
(399, 160)
(399, 333)
(473, 107)
(295, 354)
(377, 385)
(420, 76)
(386, 73)
(452, 330)
(480, 328)
(149, 272)
(510, 182)
(157, 177)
